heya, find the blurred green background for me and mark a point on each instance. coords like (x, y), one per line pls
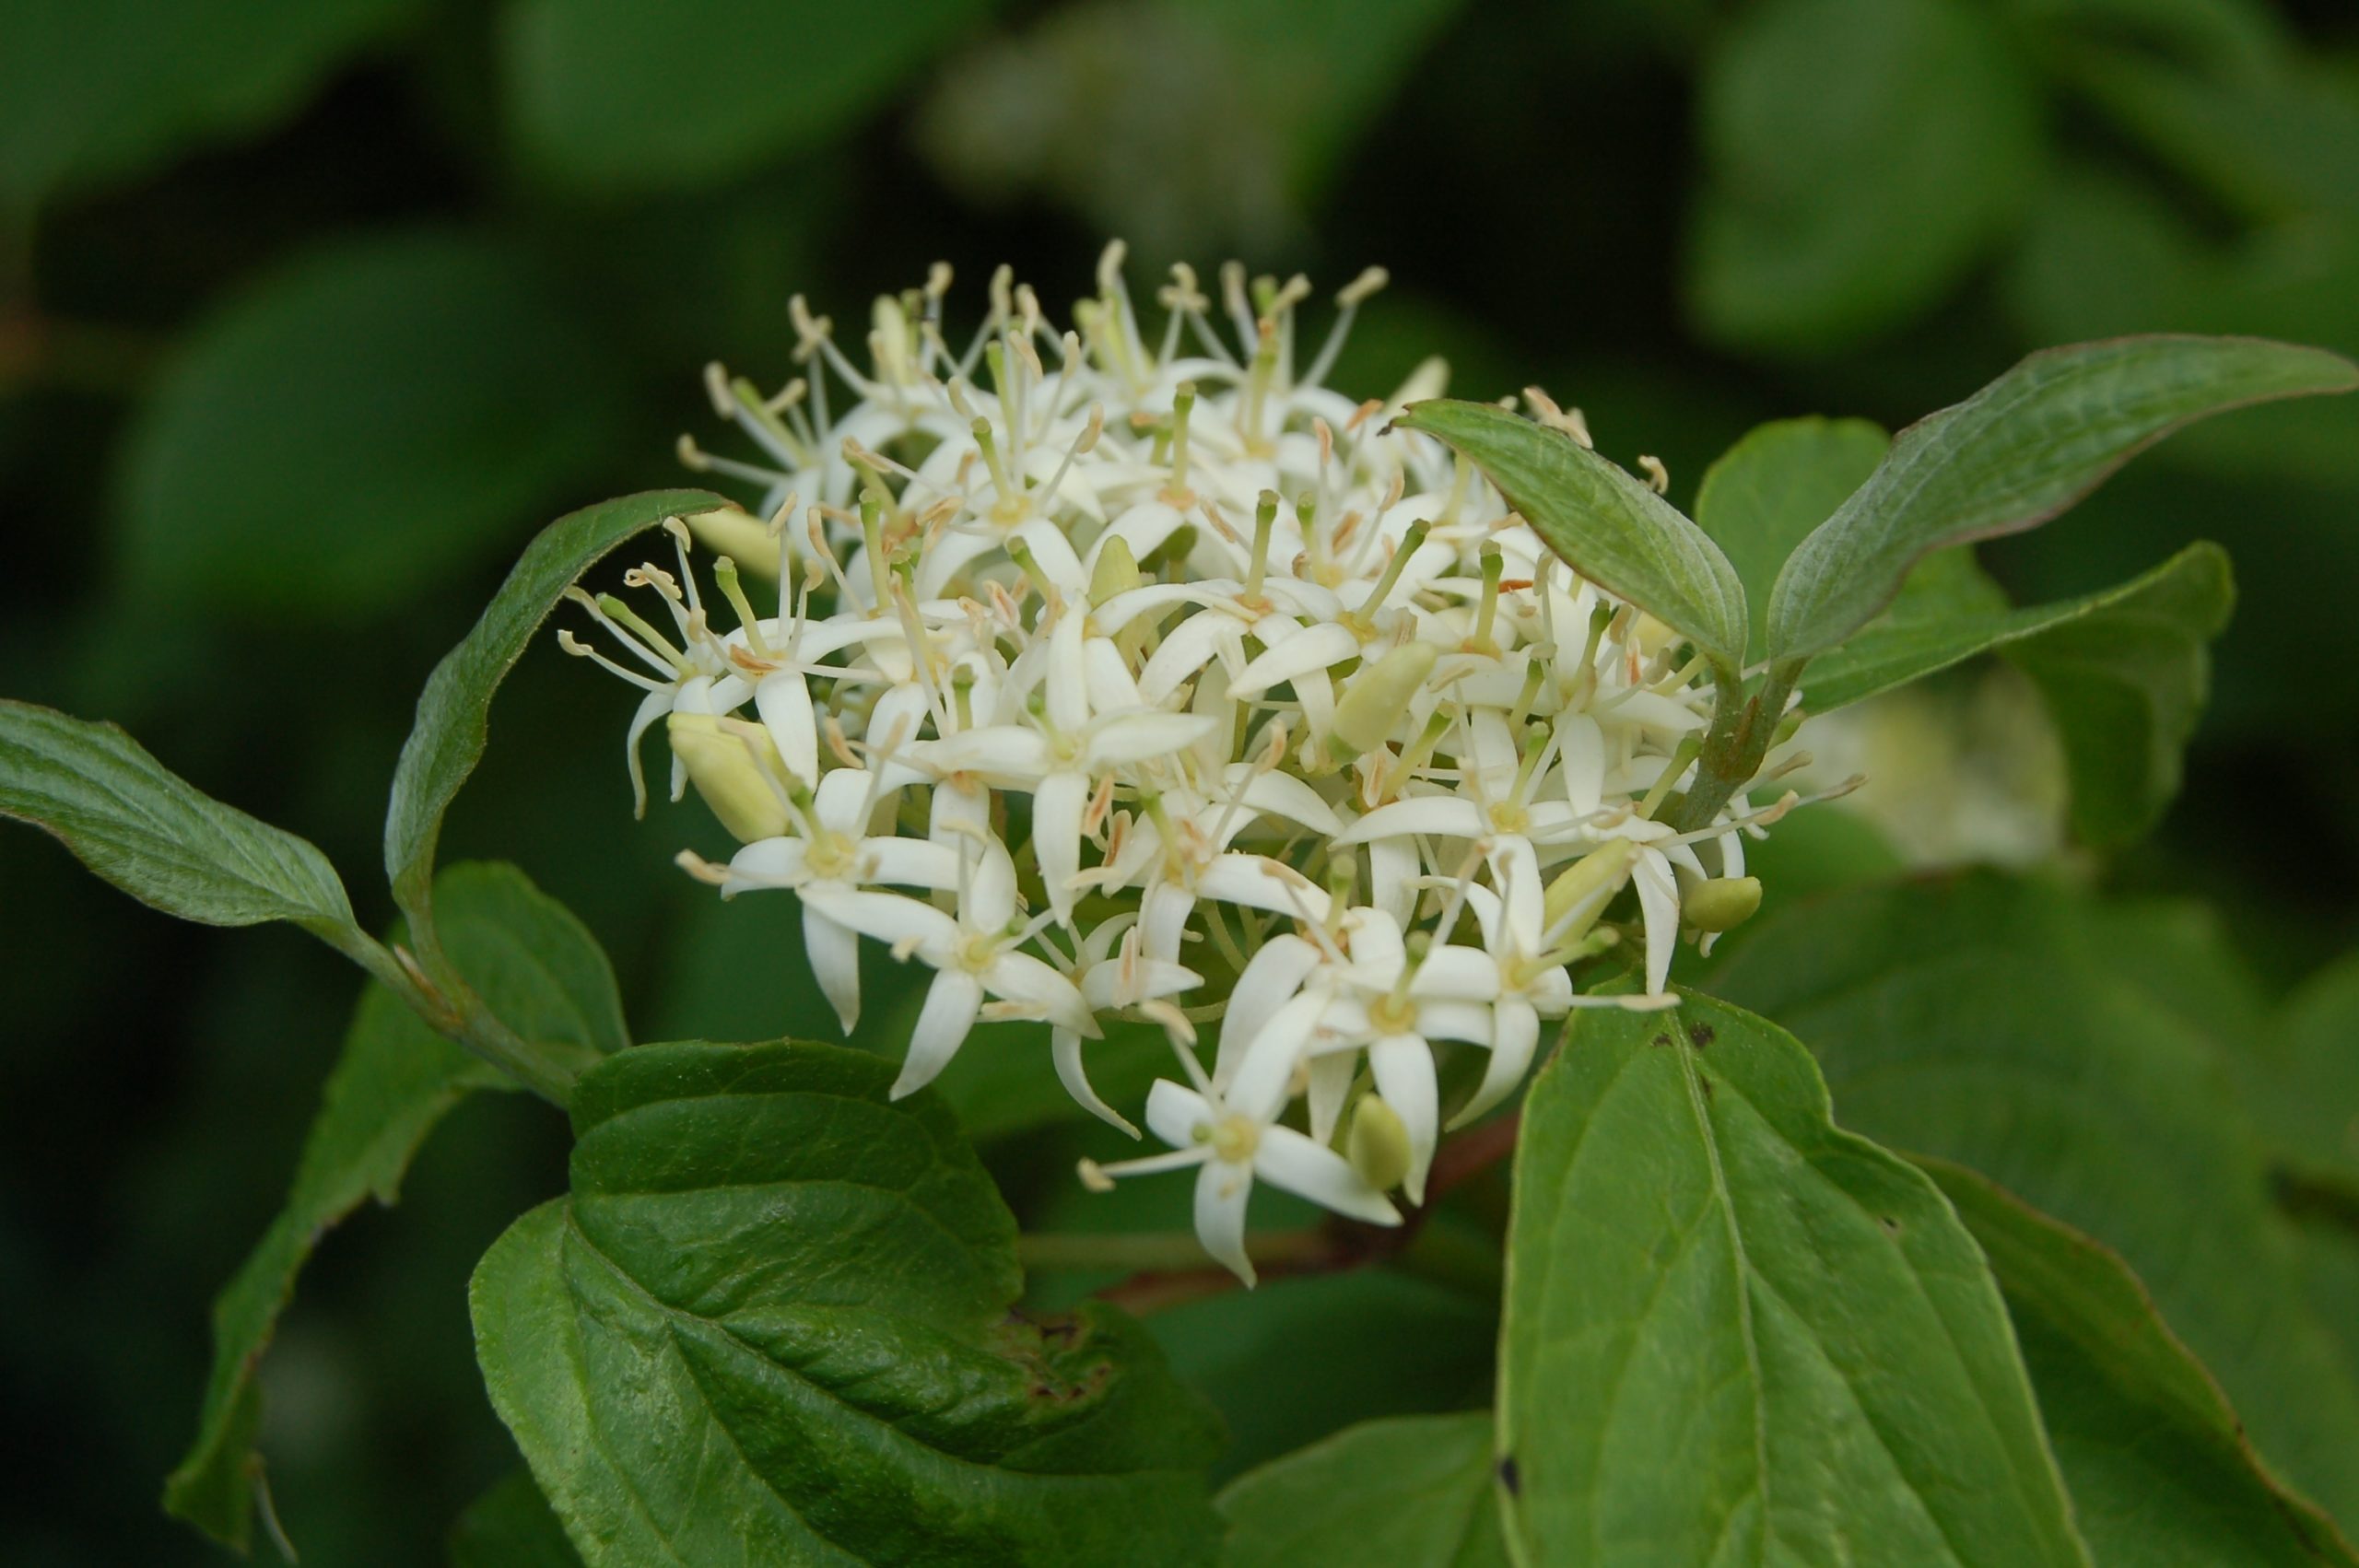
(310, 310)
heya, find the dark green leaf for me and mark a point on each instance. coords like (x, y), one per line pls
(2125, 674)
(1735, 1333)
(454, 711)
(540, 971)
(616, 94)
(2302, 1076)
(511, 1527)
(1984, 1022)
(151, 834)
(2157, 1461)
(1415, 1491)
(366, 421)
(772, 1325)
(1764, 495)
(1613, 529)
(96, 90)
(2016, 453)
(1861, 155)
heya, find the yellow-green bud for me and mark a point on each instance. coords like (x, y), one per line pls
(1722, 904)
(891, 340)
(1378, 696)
(736, 766)
(1582, 891)
(1117, 571)
(729, 532)
(1377, 1144)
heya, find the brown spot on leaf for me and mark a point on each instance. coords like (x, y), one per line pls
(1701, 1034)
(1511, 1477)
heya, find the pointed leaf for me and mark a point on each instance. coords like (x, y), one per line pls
(1412, 1491)
(454, 711)
(1611, 529)
(1990, 1023)
(395, 1080)
(2303, 1075)
(511, 1527)
(1737, 1334)
(2016, 453)
(1764, 495)
(155, 835)
(2125, 678)
(773, 1324)
(2158, 1463)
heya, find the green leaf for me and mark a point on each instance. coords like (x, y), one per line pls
(1992, 1024)
(359, 427)
(1610, 527)
(1764, 494)
(2302, 1076)
(618, 94)
(395, 1080)
(2016, 453)
(2125, 674)
(454, 711)
(94, 91)
(772, 1325)
(1861, 155)
(2157, 1461)
(155, 835)
(1414, 1491)
(511, 1527)
(1735, 1333)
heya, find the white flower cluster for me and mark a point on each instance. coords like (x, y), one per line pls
(1128, 672)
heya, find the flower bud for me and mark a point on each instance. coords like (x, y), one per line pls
(727, 531)
(1117, 571)
(1378, 696)
(737, 769)
(1722, 904)
(1582, 893)
(1377, 1144)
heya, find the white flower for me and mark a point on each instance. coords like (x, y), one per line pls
(1235, 1137)
(1167, 682)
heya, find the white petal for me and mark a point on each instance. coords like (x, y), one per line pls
(651, 707)
(1515, 1034)
(1068, 676)
(1271, 978)
(1064, 1046)
(785, 702)
(834, 951)
(1580, 758)
(1266, 1068)
(841, 801)
(1188, 649)
(1112, 687)
(1453, 972)
(1286, 1158)
(1331, 1081)
(1009, 755)
(1025, 980)
(1134, 737)
(1469, 1021)
(949, 1012)
(1659, 906)
(1222, 1189)
(1165, 921)
(1451, 816)
(888, 917)
(1403, 1066)
(1057, 807)
(988, 901)
(1053, 552)
(766, 862)
(1315, 647)
(1259, 883)
(1392, 867)
(1175, 1112)
(1283, 794)
(908, 862)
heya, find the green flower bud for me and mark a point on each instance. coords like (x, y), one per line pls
(1377, 1144)
(1582, 892)
(729, 532)
(1378, 696)
(1722, 904)
(1117, 571)
(736, 768)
